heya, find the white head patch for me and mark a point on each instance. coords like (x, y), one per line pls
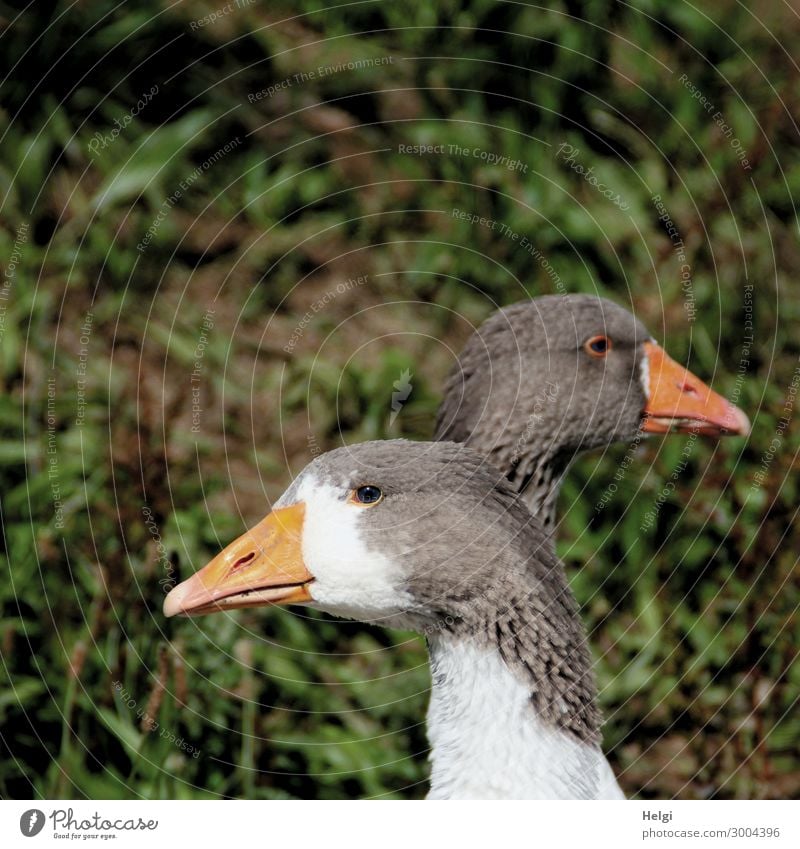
(350, 580)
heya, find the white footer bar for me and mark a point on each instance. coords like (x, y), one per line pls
(385, 824)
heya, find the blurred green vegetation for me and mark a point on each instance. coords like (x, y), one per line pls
(112, 485)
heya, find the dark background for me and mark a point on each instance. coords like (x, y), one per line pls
(108, 493)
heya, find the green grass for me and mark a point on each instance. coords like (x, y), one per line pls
(693, 622)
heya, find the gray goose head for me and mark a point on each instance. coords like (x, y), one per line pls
(541, 380)
(429, 537)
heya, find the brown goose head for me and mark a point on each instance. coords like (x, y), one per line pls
(542, 380)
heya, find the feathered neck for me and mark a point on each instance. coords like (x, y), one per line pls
(488, 741)
(537, 478)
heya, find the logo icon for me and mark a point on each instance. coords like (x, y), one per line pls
(31, 822)
(400, 395)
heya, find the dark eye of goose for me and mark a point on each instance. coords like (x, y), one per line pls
(597, 346)
(368, 495)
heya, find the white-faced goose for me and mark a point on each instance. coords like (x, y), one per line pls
(430, 537)
(542, 380)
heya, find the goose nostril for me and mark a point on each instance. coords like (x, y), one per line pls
(687, 388)
(241, 562)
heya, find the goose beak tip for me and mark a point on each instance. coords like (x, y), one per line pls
(173, 603)
(678, 401)
(741, 423)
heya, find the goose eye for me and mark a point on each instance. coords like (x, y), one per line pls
(367, 495)
(598, 346)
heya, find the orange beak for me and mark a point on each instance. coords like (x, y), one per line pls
(680, 402)
(264, 566)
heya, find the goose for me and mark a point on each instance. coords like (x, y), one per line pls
(428, 536)
(542, 380)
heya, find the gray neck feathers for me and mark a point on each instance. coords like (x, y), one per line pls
(541, 641)
(519, 605)
(537, 480)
